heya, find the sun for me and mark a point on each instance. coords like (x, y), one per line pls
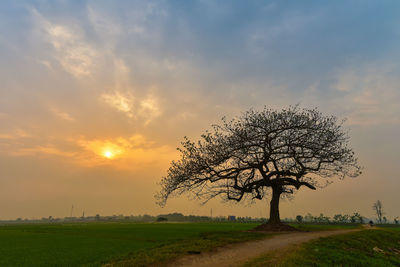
(108, 154)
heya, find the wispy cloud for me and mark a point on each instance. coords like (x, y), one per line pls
(71, 49)
(370, 93)
(63, 115)
(43, 151)
(149, 108)
(119, 101)
(16, 134)
(145, 109)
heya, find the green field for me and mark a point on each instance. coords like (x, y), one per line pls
(142, 244)
(94, 244)
(379, 247)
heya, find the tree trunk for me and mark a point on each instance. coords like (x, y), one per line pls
(274, 217)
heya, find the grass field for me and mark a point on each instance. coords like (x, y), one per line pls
(94, 244)
(365, 248)
(142, 244)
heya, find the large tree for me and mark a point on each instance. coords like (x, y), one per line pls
(244, 158)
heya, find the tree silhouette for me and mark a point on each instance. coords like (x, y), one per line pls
(378, 208)
(242, 159)
(299, 219)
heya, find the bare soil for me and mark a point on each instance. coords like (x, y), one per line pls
(237, 254)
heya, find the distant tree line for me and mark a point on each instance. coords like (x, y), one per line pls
(337, 218)
(172, 217)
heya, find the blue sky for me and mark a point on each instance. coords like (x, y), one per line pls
(137, 76)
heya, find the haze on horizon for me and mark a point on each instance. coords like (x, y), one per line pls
(95, 96)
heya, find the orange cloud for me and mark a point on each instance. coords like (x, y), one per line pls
(135, 152)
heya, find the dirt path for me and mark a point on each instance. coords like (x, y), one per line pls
(237, 254)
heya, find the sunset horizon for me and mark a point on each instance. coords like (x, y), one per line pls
(97, 96)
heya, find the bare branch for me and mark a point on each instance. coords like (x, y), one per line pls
(284, 150)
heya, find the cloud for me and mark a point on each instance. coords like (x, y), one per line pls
(149, 108)
(63, 115)
(134, 152)
(370, 93)
(45, 63)
(14, 135)
(104, 25)
(119, 101)
(146, 109)
(43, 151)
(119, 145)
(6, 136)
(71, 49)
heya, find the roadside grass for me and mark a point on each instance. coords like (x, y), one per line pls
(97, 243)
(364, 248)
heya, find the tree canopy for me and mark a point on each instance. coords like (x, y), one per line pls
(245, 157)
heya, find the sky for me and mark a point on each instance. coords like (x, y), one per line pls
(132, 78)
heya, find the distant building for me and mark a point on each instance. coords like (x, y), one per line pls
(231, 218)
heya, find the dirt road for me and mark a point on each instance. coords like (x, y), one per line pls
(237, 254)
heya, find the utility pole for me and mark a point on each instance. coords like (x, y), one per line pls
(72, 209)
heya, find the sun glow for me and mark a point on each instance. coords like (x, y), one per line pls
(108, 154)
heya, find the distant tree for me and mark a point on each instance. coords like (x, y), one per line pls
(308, 217)
(384, 219)
(162, 219)
(396, 220)
(261, 150)
(356, 218)
(322, 219)
(339, 218)
(378, 208)
(299, 218)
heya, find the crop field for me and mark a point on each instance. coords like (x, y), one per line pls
(94, 244)
(142, 244)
